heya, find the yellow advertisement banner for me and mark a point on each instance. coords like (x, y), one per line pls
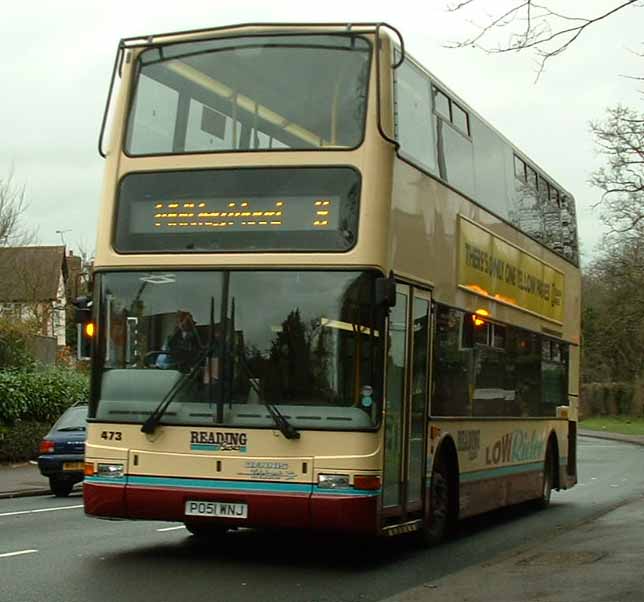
(494, 268)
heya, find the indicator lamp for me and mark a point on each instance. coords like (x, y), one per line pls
(479, 315)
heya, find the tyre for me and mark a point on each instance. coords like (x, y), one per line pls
(549, 466)
(60, 487)
(441, 506)
(204, 530)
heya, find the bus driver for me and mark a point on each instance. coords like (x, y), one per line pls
(184, 345)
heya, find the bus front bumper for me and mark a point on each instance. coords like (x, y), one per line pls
(274, 505)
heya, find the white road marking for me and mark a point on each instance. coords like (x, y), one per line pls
(20, 553)
(40, 510)
(170, 528)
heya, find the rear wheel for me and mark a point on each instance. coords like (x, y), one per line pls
(543, 501)
(60, 487)
(441, 515)
(205, 530)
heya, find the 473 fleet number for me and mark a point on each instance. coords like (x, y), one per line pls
(112, 435)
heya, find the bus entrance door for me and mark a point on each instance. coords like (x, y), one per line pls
(406, 406)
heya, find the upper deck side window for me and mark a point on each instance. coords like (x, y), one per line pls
(451, 111)
(250, 93)
(420, 111)
(414, 127)
(441, 137)
(543, 211)
(441, 104)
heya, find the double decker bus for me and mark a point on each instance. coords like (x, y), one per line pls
(328, 295)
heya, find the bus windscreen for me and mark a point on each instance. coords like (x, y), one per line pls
(275, 92)
(307, 342)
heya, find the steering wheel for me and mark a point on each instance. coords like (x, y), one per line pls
(149, 362)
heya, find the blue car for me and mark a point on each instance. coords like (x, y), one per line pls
(62, 451)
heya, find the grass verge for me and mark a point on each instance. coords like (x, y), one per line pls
(626, 425)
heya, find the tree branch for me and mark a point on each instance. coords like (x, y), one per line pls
(13, 205)
(547, 32)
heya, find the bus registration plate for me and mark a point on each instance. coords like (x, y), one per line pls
(225, 509)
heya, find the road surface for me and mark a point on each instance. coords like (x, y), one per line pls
(50, 551)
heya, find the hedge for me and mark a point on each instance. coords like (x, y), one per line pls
(611, 399)
(39, 396)
(14, 351)
(21, 441)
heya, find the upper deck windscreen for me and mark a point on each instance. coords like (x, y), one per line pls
(250, 93)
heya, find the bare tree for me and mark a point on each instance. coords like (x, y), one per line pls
(86, 253)
(26, 280)
(82, 278)
(531, 26)
(614, 281)
(620, 138)
(613, 314)
(13, 205)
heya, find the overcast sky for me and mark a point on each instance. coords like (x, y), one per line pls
(57, 58)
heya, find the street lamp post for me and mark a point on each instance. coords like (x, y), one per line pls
(62, 235)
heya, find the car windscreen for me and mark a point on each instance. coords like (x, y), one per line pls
(73, 419)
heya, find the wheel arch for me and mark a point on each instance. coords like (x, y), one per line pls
(553, 443)
(447, 448)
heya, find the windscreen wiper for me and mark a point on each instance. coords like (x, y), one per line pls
(151, 423)
(284, 426)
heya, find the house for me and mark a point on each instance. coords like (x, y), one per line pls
(34, 286)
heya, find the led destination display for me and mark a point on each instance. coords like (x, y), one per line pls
(239, 210)
(270, 213)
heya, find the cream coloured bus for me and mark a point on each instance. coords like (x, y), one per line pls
(328, 294)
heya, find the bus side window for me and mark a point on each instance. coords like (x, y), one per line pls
(414, 128)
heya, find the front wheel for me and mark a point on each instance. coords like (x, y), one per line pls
(441, 516)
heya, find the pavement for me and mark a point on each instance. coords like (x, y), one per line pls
(635, 439)
(22, 480)
(598, 560)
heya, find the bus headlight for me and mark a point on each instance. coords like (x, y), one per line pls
(110, 471)
(333, 481)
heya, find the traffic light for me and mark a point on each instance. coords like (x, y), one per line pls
(86, 333)
(86, 329)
